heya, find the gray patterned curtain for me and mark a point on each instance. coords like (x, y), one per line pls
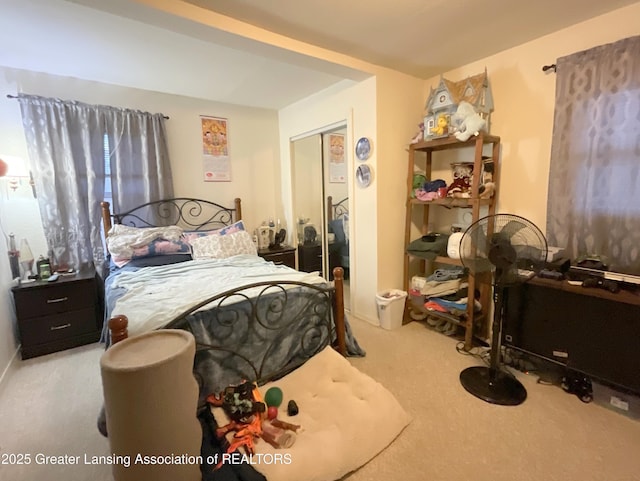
(140, 168)
(594, 179)
(65, 141)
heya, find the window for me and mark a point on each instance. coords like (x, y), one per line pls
(594, 179)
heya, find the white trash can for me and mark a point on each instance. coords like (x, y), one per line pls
(391, 308)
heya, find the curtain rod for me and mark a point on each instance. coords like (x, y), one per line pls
(9, 96)
(546, 68)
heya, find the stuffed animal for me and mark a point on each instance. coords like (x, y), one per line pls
(418, 182)
(485, 191)
(419, 135)
(460, 187)
(441, 127)
(467, 121)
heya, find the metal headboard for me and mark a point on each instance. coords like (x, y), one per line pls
(190, 214)
(337, 210)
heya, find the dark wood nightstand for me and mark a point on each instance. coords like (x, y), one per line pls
(283, 255)
(310, 257)
(53, 316)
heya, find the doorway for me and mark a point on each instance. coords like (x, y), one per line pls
(320, 193)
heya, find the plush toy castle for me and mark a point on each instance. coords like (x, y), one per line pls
(443, 102)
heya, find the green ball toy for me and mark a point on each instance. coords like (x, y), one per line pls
(273, 397)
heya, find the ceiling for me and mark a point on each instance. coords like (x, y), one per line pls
(185, 48)
(419, 37)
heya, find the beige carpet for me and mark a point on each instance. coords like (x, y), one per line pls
(48, 405)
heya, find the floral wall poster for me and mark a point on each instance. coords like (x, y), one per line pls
(337, 164)
(215, 150)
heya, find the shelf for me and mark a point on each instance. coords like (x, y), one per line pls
(452, 202)
(422, 158)
(448, 260)
(445, 316)
(451, 142)
(460, 321)
(438, 259)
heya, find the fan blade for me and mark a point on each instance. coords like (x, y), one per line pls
(477, 265)
(511, 228)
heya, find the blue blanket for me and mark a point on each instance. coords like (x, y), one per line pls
(268, 335)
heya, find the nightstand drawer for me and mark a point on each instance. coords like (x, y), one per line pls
(52, 299)
(282, 258)
(42, 330)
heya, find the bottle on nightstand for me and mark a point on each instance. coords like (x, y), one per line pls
(43, 267)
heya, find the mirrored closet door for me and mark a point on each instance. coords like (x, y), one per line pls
(321, 203)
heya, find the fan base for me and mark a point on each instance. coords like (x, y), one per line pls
(496, 387)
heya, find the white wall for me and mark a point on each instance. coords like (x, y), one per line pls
(8, 344)
(353, 104)
(387, 109)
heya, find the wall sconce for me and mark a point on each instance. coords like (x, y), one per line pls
(16, 172)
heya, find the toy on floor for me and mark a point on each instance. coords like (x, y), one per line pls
(248, 416)
(272, 412)
(292, 408)
(273, 397)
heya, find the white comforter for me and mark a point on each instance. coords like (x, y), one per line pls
(156, 295)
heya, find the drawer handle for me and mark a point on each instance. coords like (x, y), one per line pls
(62, 326)
(278, 263)
(59, 299)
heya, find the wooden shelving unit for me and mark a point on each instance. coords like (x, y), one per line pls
(424, 152)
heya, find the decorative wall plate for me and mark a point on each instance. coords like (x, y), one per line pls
(364, 175)
(363, 148)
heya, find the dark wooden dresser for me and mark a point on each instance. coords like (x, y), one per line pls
(283, 255)
(589, 330)
(53, 316)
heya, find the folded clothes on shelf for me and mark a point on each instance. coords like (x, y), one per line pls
(445, 274)
(440, 288)
(453, 307)
(429, 247)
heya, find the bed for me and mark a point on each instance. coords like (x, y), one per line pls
(338, 225)
(158, 267)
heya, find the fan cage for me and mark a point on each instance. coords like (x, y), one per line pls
(509, 246)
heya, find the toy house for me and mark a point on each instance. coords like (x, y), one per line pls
(443, 102)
